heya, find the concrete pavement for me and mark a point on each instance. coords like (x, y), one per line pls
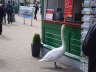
(15, 49)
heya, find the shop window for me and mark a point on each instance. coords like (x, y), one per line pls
(58, 7)
(76, 13)
(72, 11)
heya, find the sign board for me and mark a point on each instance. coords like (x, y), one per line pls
(49, 14)
(68, 8)
(26, 11)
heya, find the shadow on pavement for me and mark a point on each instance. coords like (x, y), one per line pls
(4, 37)
(55, 69)
(2, 63)
(63, 69)
(10, 25)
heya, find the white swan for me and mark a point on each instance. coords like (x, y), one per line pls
(55, 53)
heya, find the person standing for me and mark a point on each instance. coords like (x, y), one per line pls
(9, 12)
(1, 18)
(36, 10)
(4, 17)
(89, 48)
(13, 14)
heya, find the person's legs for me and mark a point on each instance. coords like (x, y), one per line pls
(1, 26)
(35, 15)
(5, 19)
(8, 19)
(1, 29)
(13, 15)
(11, 18)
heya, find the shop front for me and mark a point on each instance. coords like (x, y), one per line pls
(67, 12)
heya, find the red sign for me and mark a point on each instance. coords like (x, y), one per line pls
(49, 14)
(68, 8)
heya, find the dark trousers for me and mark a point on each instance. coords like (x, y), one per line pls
(35, 16)
(92, 64)
(4, 19)
(1, 25)
(9, 18)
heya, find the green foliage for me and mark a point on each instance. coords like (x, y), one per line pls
(36, 38)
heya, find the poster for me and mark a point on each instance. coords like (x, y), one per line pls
(26, 11)
(68, 8)
(49, 14)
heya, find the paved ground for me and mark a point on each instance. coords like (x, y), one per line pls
(15, 50)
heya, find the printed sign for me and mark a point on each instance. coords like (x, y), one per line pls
(49, 14)
(68, 8)
(26, 11)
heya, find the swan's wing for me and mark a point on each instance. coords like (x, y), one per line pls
(52, 55)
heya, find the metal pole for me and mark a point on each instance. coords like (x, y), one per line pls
(24, 19)
(31, 21)
(31, 18)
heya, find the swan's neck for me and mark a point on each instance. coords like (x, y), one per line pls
(62, 35)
